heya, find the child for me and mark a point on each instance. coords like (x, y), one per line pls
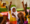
(14, 12)
(25, 9)
(13, 16)
(21, 18)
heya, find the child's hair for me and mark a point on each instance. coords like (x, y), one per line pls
(21, 14)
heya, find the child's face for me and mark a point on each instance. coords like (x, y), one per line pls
(13, 9)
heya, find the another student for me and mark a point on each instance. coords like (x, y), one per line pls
(20, 18)
(25, 9)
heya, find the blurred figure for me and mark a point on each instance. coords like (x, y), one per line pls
(2, 5)
(3, 19)
(13, 16)
(20, 18)
(29, 18)
(25, 9)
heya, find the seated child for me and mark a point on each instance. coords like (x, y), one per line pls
(20, 18)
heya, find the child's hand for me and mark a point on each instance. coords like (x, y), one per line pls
(13, 14)
(22, 3)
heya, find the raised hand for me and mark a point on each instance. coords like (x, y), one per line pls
(22, 2)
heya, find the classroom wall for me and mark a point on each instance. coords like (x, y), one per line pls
(18, 3)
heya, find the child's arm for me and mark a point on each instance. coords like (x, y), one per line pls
(21, 22)
(4, 19)
(23, 5)
(13, 15)
(25, 8)
(10, 6)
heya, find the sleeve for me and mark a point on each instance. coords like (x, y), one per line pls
(16, 16)
(8, 16)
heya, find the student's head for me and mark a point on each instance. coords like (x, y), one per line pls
(14, 10)
(4, 4)
(20, 15)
